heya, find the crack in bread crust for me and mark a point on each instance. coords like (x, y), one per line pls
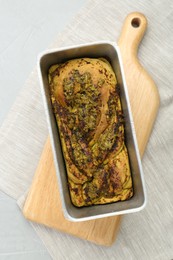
(86, 102)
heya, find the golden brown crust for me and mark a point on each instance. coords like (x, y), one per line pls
(86, 102)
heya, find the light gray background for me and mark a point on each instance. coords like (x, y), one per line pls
(146, 235)
(26, 28)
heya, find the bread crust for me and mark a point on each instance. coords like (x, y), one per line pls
(86, 102)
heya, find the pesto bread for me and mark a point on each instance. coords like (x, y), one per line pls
(86, 103)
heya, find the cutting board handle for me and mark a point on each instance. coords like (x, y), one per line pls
(132, 33)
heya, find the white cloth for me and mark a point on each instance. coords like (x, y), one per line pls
(144, 235)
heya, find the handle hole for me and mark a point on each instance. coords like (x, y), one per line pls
(136, 22)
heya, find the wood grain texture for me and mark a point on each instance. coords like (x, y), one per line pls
(143, 93)
(43, 203)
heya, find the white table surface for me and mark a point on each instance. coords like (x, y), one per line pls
(26, 28)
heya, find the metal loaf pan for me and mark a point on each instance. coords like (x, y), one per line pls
(111, 52)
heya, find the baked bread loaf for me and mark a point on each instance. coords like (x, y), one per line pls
(86, 103)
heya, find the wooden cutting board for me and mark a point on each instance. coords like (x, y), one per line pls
(43, 203)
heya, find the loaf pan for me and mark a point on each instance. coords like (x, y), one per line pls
(111, 52)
